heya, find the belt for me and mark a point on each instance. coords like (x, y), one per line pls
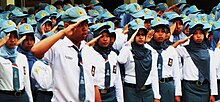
(105, 91)
(50, 93)
(13, 93)
(197, 82)
(143, 88)
(164, 80)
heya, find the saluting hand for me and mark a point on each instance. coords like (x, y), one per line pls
(133, 36)
(149, 36)
(54, 28)
(181, 41)
(125, 31)
(21, 40)
(4, 40)
(93, 41)
(71, 29)
(212, 98)
(156, 100)
(177, 99)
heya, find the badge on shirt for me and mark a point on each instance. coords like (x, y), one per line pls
(93, 70)
(170, 62)
(24, 70)
(114, 69)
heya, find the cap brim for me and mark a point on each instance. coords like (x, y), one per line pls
(26, 32)
(82, 18)
(10, 29)
(138, 14)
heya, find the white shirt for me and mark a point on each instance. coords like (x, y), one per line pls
(6, 75)
(191, 72)
(120, 39)
(42, 74)
(62, 58)
(171, 67)
(115, 80)
(217, 59)
(126, 57)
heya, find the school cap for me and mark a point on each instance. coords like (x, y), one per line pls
(171, 16)
(8, 26)
(149, 3)
(25, 29)
(99, 8)
(159, 21)
(179, 2)
(111, 29)
(52, 10)
(24, 10)
(148, 14)
(5, 15)
(65, 7)
(204, 19)
(211, 16)
(195, 22)
(161, 6)
(75, 14)
(95, 2)
(17, 12)
(93, 13)
(185, 18)
(10, 7)
(41, 15)
(133, 8)
(31, 21)
(183, 8)
(107, 16)
(192, 10)
(120, 9)
(99, 28)
(135, 24)
(215, 25)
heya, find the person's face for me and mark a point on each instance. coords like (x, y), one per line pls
(186, 31)
(28, 43)
(140, 37)
(82, 31)
(47, 27)
(53, 19)
(147, 24)
(112, 40)
(13, 38)
(104, 40)
(179, 26)
(198, 36)
(159, 35)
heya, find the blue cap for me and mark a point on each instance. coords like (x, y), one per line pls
(148, 14)
(211, 16)
(120, 9)
(162, 6)
(25, 29)
(17, 12)
(204, 19)
(185, 18)
(52, 10)
(196, 21)
(193, 9)
(8, 26)
(216, 25)
(65, 7)
(75, 14)
(31, 21)
(217, 7)
(135, 24)
(111, 24)
(5, 15)
(24, 9)
(106, 16)
(159, 21)
(41, 15)
(93, 13)
(10, 7)
(99, 8)
(179, 2)
(133, 8)
(95, 2)
(171, 16)
(98, 28)
(148, 4)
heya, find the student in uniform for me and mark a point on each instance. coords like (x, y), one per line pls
(139, 59)
(70, 59)
(167, 63)
(199, 72)
(108, 77)
(14, 71)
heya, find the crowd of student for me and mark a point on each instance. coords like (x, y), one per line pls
(137, 53)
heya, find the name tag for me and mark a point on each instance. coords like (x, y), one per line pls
(114, 69)
(93, 71)
(170, 62)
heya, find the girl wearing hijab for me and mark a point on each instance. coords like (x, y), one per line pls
(14, 68)
(108, 72)
(167, 63)
(139, 59)
(199, 74)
